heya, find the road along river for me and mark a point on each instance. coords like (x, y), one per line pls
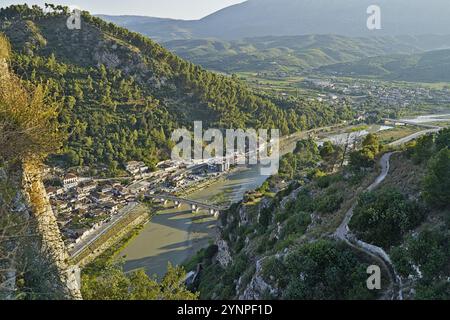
(174, 235)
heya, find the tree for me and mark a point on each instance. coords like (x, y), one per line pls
(325, 270)
(372, 143)
(331, 154)
(28, 118)
(327, 150)
(72, 158)
(423, 149)
(362, 158)
(443, 139)
(384, 216)
(436, 184)
(111, 283)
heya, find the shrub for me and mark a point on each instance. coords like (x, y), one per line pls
(384, 216)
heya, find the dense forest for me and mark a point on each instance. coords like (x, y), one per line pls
(121, 94)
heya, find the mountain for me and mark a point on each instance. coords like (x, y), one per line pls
(121, 95)
(433, 66)
(255, 18)
(159, 29)
(296, 53)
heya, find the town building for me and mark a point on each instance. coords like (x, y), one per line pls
(70, 181)
(136, 167)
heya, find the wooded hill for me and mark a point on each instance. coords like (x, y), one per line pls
(121, 94)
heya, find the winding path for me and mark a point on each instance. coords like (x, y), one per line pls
(343, 233)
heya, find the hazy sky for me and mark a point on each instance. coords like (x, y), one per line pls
(179, 9)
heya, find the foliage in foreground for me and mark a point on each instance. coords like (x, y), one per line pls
(111, 283)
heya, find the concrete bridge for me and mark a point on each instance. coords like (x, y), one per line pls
(195, 205)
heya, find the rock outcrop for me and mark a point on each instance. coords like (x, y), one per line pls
(47, 227)
(257, 286)
(223, 254)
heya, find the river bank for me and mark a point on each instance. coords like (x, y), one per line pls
(176, 234)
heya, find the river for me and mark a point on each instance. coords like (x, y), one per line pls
(174, 235)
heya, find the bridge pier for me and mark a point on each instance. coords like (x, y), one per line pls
(163, 201)
(177, 204)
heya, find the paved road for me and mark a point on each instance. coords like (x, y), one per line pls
(343, 232)
(82, 245)
(413, 123)
(413, 136)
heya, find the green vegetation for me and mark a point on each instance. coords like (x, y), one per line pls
(121, 98)
(437, 181)
(111, 283)
(383, 217)
(28, 126)
(324, 270)
(365, 157)
(426, 257)
(290, 55)
(432, 66)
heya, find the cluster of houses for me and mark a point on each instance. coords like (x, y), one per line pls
(386, 93)
(136, 168)
(81, 205)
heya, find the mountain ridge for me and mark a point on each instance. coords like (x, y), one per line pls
(299, 17)
(296, 53)
(431, 66)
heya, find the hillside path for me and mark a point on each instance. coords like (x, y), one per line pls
(343, 233)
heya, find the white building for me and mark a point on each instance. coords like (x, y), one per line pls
(70, 181)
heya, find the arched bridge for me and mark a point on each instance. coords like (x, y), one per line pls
(195, 205)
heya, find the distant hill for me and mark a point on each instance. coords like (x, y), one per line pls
(256, 18)
(433, 66)
(296, 53)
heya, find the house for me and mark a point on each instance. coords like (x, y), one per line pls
(120, 190)
(70, 181)
(112, 207)
(86, 188)
(106, 188)
(136, 167)
(101, 197)
(51, 191)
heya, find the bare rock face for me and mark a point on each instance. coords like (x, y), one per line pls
(291, 197)
(257, 286)
(110, 60)
(223, 254)
(47, 228)
(243, 216)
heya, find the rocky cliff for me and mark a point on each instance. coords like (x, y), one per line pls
(47, 227)
(32, 251)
